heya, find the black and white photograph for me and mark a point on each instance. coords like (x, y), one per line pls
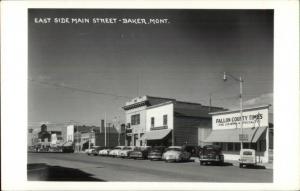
(150, 95)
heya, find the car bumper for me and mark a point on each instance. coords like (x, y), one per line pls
(172, 158)
(154, 157)
(211, 160)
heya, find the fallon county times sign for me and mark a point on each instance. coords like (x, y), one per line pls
(251, 118)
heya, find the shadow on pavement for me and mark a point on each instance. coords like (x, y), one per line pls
(254, 167)
(44, 172)
(218, 164)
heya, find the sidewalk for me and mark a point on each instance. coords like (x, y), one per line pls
(236, 163)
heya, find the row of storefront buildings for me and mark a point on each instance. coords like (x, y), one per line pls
(155, 121)
(164, 121)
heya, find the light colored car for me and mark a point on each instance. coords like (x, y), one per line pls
(176, 154)
(124, 153)
(93, 150)
(88, 151)
(104, 152)
(115, 152)
(247, 157)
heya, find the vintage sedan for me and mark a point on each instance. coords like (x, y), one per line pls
(105, 151)
(140, 152)
(124, 153)
(156, 153)
(176, 154)
(211, 154)
(247, 157)
(115, 152)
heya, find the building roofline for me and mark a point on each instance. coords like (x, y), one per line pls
(161, 104)
(194, 103)
(159, 97)
(237, 110)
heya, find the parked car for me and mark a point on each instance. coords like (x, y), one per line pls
(176, 154)
(67, 149)
(95, 150)
(105, 151)
(194, 150)
(124, 153)
(156, 152)
(140, 152)
(247, 157)
(211, 154)
(91, 151)
(115, 152)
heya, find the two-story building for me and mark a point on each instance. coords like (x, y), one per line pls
(166, 121)
(135, 117)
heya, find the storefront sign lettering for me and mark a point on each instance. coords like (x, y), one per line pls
(249, 119)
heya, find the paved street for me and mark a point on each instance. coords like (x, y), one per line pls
(81, 167)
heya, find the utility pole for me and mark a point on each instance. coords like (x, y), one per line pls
(105, 129)
(209, 102)
(241, 81)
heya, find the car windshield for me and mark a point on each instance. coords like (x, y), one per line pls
(145, 148)
(127, 148)
(247, 153)
(117, 148)
(174, 149)
(158, 149)
(214, 147)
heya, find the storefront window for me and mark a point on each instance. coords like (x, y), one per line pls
(230, 146)
(253, 146)
(237, 146)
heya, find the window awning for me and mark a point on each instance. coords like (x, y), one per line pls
(232, 135)
(156, 134)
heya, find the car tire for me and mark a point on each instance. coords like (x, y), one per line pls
(241, 166)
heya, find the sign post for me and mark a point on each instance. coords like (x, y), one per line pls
(243, 137)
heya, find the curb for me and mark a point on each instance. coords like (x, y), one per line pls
(235, 163)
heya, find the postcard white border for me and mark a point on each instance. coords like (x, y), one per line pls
(14, 94)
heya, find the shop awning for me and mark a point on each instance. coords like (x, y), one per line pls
(232, 135)
(156, 134)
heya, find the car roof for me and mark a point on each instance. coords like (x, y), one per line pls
(247, 150)
(175, 147)
(212, 146)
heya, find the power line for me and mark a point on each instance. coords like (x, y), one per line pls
(77, 89)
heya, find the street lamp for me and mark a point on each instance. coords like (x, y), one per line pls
(240, 80)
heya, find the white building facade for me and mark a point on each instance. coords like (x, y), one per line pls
(135, 117)
(255, 132)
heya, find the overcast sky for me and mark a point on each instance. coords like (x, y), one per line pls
(80, 71)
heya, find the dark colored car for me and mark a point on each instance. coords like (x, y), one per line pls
(193, 150)
(156, 153)
(140, 152)
(211, 154)
(67, 149)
